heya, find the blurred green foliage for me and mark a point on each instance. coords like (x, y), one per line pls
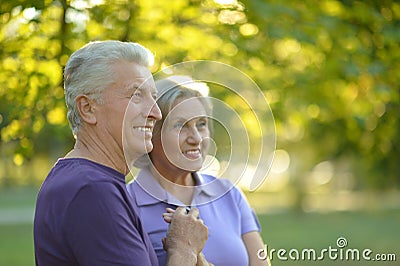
(329, 69)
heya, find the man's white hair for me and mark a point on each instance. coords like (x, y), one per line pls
(89, 71)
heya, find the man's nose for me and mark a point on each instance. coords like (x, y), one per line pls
(155, 111)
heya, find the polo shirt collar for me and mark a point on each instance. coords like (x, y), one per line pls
(151, 191)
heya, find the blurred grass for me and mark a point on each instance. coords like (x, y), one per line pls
(16, 230)
(377, 230)
(16, 245)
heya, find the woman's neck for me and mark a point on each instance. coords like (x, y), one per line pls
(179, 183)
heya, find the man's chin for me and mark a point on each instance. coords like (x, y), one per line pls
(149, 147)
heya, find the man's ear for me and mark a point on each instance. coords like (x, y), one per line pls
(86, 108)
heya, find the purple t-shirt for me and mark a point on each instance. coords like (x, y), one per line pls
(223, 208)
(84, 216)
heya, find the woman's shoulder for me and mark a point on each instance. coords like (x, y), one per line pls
(220, 183)
(207, 178)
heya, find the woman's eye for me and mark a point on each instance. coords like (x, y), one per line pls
(202, 124)
(178, 125)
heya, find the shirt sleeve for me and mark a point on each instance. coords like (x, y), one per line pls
(100, 228)
(249, 220)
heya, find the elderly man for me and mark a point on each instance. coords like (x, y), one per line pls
(84, 215)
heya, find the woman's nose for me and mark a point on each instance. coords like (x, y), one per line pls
(194, 136)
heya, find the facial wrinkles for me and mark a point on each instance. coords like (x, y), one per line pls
(189, 126)
(143, 103)
(194, 138)
(135, 87)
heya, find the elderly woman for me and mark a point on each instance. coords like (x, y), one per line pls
(171, 179)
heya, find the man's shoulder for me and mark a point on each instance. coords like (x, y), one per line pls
(83, 169)
(72, 175)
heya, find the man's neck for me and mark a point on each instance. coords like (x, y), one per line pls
(89, 148)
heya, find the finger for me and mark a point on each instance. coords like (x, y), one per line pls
(170, 210)
(180, 210)
(194, 212)
(164, 243)
(167, 217)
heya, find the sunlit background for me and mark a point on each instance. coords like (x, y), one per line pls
(329, 70)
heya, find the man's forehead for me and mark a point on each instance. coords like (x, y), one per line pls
(132, 71)
(142, 83)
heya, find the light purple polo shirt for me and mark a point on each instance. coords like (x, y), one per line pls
(223, 208)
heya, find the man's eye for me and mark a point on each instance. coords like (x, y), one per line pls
(136, 95)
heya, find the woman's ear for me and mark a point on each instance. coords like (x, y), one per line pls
(86, 108)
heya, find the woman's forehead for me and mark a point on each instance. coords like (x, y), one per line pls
(188, 109)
